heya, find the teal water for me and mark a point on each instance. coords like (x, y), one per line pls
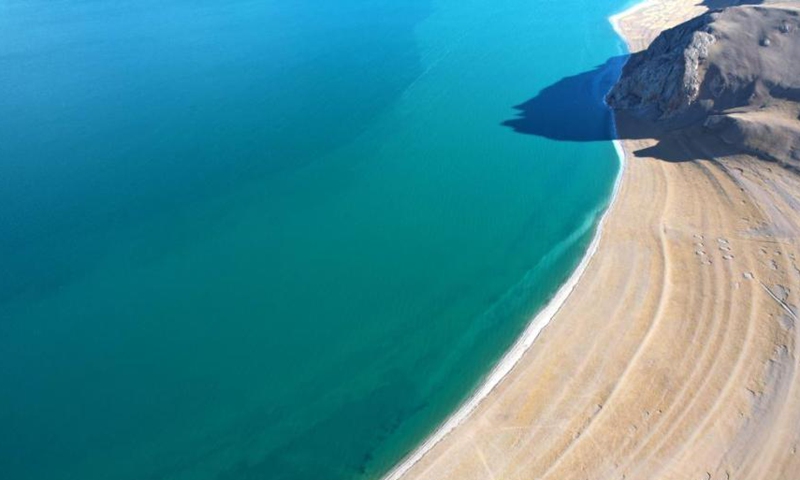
(278, 239)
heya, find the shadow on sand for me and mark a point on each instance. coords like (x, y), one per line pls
(715, 4)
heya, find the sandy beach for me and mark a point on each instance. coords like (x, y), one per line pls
(674, 354)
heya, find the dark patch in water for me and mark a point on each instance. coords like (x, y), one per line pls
(571, 109)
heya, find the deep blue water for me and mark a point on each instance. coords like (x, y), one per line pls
(280, 239)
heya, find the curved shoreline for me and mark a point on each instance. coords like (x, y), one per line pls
(678, 355)
(512, 357)
(614, 19)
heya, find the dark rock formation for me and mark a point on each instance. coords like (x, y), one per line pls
(734, 73)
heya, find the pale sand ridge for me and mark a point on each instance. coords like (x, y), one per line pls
(675, 356)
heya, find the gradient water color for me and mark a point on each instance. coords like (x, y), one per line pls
(276, 239)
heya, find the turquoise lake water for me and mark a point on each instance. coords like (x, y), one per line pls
(280, 239)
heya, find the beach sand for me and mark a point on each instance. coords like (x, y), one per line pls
(676, 354)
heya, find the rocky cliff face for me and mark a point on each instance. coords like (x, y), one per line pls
(665, 79)
(734, 72)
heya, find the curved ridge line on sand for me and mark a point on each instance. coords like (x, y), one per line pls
(522, 344)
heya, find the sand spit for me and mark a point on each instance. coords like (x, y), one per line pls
(676, 354)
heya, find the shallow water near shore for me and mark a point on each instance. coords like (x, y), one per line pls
(273, 239)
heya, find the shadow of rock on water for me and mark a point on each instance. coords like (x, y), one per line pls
(651, 104)
(572, 109)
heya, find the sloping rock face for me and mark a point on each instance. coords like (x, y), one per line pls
(734, 72)
(665, 79)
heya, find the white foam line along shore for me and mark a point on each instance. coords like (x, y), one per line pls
(532, 331)
(614, 19)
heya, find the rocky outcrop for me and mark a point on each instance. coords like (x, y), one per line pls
(732, 72)
(665, 79)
